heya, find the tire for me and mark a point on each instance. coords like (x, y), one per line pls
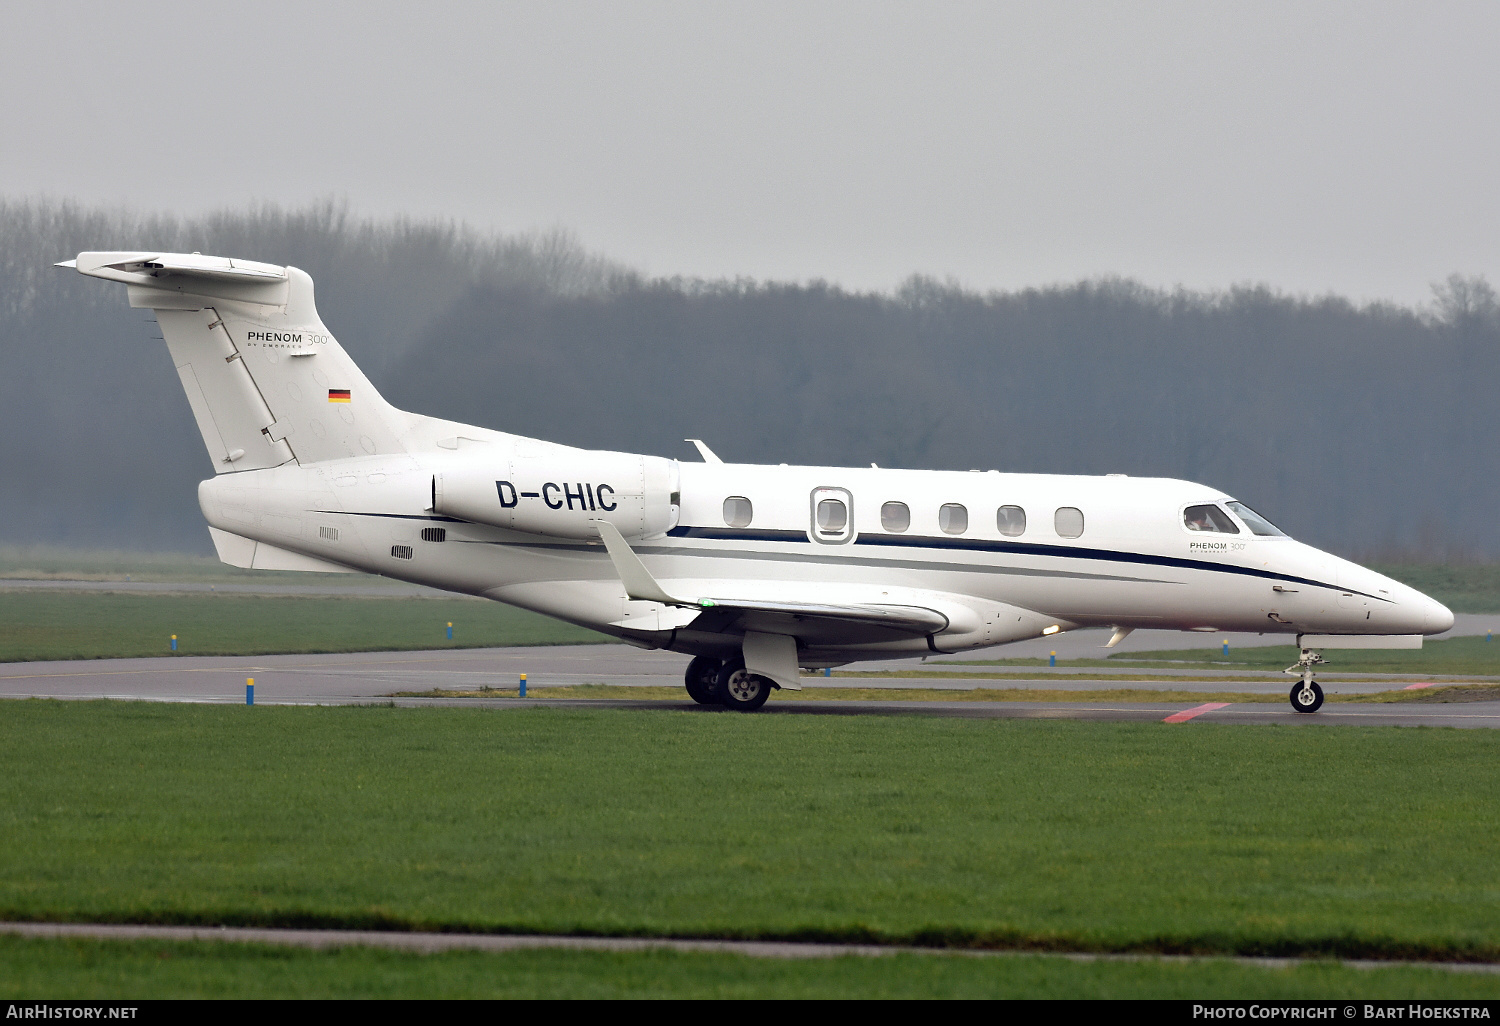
(1300, 701)
(742, 690)
(702, 680)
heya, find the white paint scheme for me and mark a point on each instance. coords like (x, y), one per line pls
(306, 483)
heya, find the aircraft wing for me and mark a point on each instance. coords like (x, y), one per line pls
(846, 622)
(810, 619)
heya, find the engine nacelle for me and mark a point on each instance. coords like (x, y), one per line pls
(558, 495)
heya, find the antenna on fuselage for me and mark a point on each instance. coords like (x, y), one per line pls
(709, 456)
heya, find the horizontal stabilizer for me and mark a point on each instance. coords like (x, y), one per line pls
(246, 281)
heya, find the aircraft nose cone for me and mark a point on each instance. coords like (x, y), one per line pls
(1437, 617)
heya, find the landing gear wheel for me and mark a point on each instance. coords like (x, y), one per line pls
(702, 680)
(740, 689)
(1306, 697)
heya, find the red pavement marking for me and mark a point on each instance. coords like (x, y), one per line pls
(1414, 687)
(1197, 710)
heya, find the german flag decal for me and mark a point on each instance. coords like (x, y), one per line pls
(338, 395)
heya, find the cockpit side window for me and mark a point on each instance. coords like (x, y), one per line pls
(1258, 524)
(1208, 518)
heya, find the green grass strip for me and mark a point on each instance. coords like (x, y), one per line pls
(81, 969)
(92, 625)
(1463, 588)
(1458, 656)
(1039, 835)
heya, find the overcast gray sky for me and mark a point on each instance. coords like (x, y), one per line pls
(1313, 146)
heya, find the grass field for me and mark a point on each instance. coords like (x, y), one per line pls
(1449, 656)
(145, 969)
(1467, 588)
(1049, 835)
(46, 562)
(93, 625)
(1459, 656)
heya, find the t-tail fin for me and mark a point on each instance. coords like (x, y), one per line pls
(266, 380)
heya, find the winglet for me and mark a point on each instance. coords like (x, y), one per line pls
(67, 263)
(639, 584)
(709, 456)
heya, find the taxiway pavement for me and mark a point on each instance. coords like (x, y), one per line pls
(364, 677)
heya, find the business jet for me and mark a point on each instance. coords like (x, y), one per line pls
(754, 571)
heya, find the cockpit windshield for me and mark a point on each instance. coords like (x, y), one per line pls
(1257, 523)
(1208, 518)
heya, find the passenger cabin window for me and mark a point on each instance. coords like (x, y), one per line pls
(1068, 522)
(953, 518)
(833, 517)
(1011, 520)
(1211, 519)
(737, 511)
(895, 517)
(1253, 520)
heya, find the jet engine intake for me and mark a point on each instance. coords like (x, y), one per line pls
(559, 497)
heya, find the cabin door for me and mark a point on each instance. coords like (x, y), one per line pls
(832, 513)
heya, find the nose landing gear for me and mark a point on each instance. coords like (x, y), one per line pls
(1306, 696)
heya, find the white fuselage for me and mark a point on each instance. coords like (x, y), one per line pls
(1135, 563)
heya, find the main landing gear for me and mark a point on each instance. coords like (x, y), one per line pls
(702, 679)
(729, 684)
(1306, 696)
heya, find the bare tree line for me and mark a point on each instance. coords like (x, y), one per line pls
(1368, 429)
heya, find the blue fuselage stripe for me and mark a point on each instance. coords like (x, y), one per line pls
(1016, 549)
